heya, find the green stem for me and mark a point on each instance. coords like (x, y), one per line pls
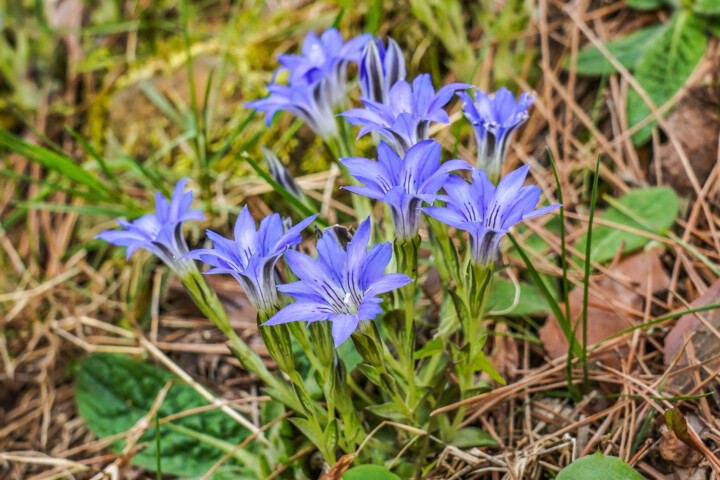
(406, 256)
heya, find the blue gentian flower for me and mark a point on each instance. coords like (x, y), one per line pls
(340, 286)
(316, 83)
(160, 233)
(380, 69)
(252, 255)
(405, 118)
(495, 118)
(403, 183)
(487, 212)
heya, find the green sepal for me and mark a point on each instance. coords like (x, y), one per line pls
(324, 346)
(277, 341)
(369, 344)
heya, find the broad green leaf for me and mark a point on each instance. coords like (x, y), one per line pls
(706, 7)
(502, 294)
(599, 467)
(627, 50)
(665, 66)
(657, 207)
(369, 472)
(473, 437)
(647, 4)
(113, 392)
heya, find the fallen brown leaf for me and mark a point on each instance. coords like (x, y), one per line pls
(704, 345)
(603, 320)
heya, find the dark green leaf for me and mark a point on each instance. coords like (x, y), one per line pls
(627, 50)
(665, 66)
(369, 472)
(599, 467)
(113, 392)
(656, 206)
(473, 437)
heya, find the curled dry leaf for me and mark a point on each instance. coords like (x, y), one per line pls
(640, 270)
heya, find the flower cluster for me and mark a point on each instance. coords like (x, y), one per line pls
(316, 82)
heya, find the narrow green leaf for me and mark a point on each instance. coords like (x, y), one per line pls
(665, 65)
(430, 348)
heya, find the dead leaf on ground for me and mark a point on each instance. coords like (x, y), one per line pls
(673, 450)
(603, 321)
(696, 123)
(704, 345)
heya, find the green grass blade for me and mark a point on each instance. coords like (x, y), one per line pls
(586, 277)
(62, 164)
(95, 155)
(565, 284)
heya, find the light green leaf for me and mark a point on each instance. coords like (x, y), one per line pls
(369, 472)
(502, 294)
(646, 4)
(113, 392)
(706, 7)
(656, 206)
(665, 66)
(627, 50)
(599, 467)
(473, 437)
